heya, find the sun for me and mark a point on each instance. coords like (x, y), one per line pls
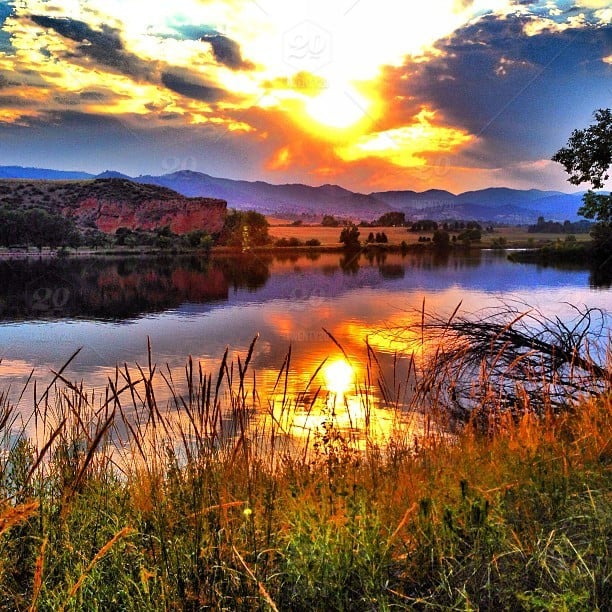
(338, 107)
(338, 376)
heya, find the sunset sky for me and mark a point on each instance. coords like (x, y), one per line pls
(368, 94)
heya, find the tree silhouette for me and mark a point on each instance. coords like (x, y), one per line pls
(587, 158)
(349, 236)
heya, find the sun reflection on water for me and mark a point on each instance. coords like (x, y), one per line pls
(339, 377)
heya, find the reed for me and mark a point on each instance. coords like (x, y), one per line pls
(116, 501)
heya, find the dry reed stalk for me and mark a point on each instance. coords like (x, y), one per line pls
(215, 507)
(15, 515)
(262, 589)
(126, 531)
(38, 575)
(401, 524)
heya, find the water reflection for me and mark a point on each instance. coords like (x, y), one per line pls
(119, 289)
(193, 306)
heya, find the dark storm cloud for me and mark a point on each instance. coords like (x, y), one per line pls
(95, 96)
(103, 46)
(227, 51)
(189, 89)
(511, 89)
(16, 101)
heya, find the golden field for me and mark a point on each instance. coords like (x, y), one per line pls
(515, 236)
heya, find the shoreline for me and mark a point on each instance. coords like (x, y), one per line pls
(6, 254)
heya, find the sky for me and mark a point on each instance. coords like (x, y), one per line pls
(369, 94)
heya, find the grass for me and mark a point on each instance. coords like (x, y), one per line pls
(113, 502)
(513, 236)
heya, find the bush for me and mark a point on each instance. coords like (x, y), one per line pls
(441, 238)
(329, 221)
(349, 236)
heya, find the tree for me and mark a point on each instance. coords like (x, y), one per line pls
(587, 158)
(441, 239)
(392, 219)
(349, 236)
(588, 153)
(329, 221)
(245, 229)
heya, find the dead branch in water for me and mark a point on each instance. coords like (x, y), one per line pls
(512, 358)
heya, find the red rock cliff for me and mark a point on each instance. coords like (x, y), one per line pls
(181, 214)
(108, 204)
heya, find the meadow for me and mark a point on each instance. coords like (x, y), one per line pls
(113, 501)
(514, 236)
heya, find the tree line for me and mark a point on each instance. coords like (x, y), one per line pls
(36, 227)
(556, 227)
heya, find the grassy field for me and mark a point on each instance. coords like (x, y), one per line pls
(118, 503)
(516, 237)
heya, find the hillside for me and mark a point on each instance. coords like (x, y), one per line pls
(498, 204)
(269, 199)
(107, 204)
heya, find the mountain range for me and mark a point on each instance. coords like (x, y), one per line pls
(502, 205)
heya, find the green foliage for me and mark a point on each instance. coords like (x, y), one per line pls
(588, 153)
(290, 242)
(381, 238)
(587, 158)
(204, 515)
(199, 239)
(245, 229)
(349, 236)
(329, 221)
(37, 227)
(441, 238)
(470, 235)
(597, 206)
(499, 242)
(426, 225)
(392, 219)
(555, 227)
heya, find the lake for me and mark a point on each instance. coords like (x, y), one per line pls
(110, 306)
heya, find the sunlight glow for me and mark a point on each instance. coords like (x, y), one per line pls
(338, 107)
(338, 376)
(406, 146)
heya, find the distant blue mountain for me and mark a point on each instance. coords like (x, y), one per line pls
(502, 196)
(499, 204)
(290, 199)
(19, 172)
(108, 174)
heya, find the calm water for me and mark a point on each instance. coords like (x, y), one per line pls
(189, 306)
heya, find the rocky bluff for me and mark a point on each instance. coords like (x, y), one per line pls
(108, 204)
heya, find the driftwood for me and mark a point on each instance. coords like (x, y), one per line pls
(512, 358)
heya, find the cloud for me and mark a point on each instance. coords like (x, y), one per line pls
(512, 91)
(97, 96)
(189, 89)
(502, 84)
(227, 52)
(104, 46)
